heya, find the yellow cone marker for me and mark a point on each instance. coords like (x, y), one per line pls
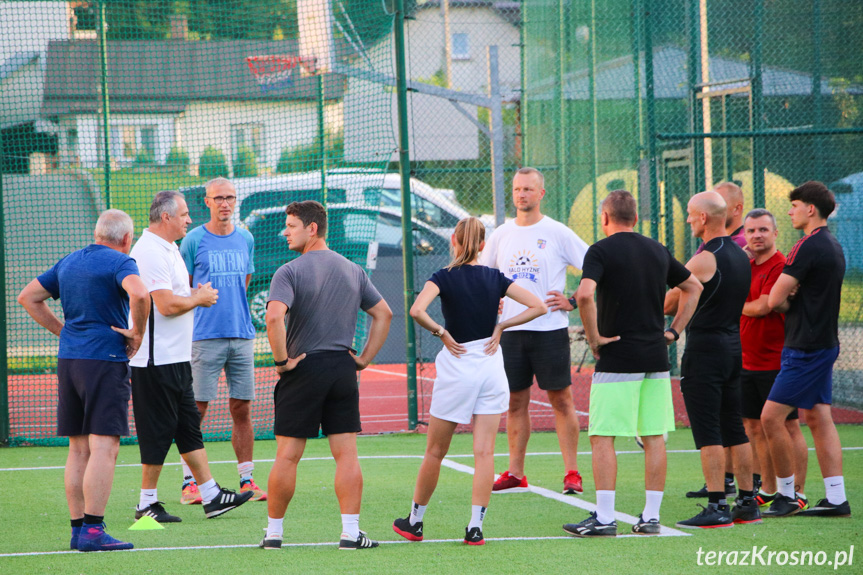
(145, 523)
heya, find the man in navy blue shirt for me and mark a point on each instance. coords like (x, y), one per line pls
(96, 286)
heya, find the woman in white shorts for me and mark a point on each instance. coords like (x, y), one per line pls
(471, 383)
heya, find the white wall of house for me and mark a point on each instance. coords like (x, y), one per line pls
(80, 138)
(279, 125)
(437, 130)
(21, 95)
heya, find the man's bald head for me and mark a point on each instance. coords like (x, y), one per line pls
(712, 204)
(733, 196)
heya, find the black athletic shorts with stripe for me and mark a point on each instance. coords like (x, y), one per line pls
(165, 411)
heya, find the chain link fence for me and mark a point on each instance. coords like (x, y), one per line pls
(104, 103)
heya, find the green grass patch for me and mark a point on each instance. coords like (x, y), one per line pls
(41, 522)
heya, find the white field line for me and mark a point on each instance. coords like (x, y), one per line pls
(404, 375)
(247, 546)
(574, 501)
(454, 456)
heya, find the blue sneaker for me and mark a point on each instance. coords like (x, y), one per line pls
(94, 538)
(73, 543)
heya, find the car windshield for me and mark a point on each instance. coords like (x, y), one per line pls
(271, 198)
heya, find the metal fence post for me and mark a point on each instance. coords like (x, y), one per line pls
(758, 199)
(407, 222)
(322, 144)
(651, 120)
(496, 125)
(562, 167)
(4, 351)
(106, 132)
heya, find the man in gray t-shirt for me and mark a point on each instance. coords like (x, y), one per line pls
(319, 294)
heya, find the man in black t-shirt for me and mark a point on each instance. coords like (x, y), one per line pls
(712, 362)
(809, 293)
(631, 391)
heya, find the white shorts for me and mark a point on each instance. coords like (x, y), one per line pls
(474, 383)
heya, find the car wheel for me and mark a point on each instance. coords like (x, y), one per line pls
(258, 305)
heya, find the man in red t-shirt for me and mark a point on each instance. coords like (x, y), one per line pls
(762, 334)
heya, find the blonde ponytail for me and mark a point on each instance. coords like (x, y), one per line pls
(469, 235)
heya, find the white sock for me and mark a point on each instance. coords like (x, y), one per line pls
(245, 469)
(351, 524)
(148, 496)
(209, 490)
(653, 499)
(785, 486)
(835, 488)
(477, 514)
(187, 473)
(417, 512)
(274, 527)
(605, 506)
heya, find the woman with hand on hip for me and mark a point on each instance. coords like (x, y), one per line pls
(471, 383)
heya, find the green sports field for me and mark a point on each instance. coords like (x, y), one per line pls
(523, 531)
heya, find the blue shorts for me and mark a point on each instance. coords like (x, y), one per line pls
(806, 377)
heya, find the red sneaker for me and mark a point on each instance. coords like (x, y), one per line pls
(572, 483)
(507, 483)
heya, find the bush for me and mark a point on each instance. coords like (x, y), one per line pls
(178, 158)
(245, 164)
(308, 158)
(144, 158)
(213, 164)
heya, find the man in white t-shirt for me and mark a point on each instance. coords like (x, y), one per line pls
(534, 251)
(162, 396)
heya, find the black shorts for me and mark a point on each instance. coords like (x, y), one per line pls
(710, 382)
(755, 386)
(165, 411)
(93, 397)
(544, 354)
(320, 393)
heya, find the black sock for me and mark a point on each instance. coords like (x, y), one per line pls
(729, 478)
(717, 497)
(743, 493)
(93, 519)
(756, 477)
(77, 522)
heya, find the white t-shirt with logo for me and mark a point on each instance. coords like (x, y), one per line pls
(535, 257)
(161, 267)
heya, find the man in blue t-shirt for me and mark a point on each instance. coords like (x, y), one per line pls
(95, 286)
(222, 254)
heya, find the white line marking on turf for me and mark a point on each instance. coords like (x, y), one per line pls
(574, 501)
(329, 458)
(542, 403)
(253, 546)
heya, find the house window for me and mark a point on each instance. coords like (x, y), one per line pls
(128, 142)
(72, 145)
(247, 135)
(131, 140)
(460, 47)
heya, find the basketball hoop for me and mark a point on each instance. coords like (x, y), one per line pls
(276, 72)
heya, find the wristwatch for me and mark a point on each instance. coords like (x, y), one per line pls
(573, 303)
(280, 363)
(673, 332)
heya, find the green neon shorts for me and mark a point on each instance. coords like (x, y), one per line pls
(630, 404)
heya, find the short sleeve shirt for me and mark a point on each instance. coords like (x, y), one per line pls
(324, 292)
(818, 263)
(89, 285)
(762, 337)
(631, 274)
(224, 261)
(535, 257)
(469, 297)
(162, 268)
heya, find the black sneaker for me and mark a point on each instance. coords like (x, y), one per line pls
(346, 543)
(782, 506)
(643, 527)
(157, 512)
(765, 499)
(711, 517)
(226, 500)
(591, 527)
(410, 532)
(473, 536)
(746, 510)
(826, 509)
(271, 543)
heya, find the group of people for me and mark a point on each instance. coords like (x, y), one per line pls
(740, 302)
